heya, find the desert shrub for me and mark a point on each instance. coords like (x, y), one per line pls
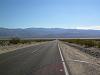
(14, 41)
(25, 41)
(4, 42)
(89, 43)
(98, 45)
(85, 42)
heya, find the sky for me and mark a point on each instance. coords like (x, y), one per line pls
(70, 14)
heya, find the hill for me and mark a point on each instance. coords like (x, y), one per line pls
(49, 33)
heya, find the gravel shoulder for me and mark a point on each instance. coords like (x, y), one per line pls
(79, 62)
(4, 49)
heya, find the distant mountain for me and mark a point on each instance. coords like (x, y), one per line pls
(49, 33)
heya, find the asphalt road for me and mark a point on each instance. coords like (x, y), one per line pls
(41, 59)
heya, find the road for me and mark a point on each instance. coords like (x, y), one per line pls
(44, 59)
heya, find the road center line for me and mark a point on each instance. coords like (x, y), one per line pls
(64, 65)
(35, 51)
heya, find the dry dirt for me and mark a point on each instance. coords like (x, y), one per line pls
(79, 62)
(4, 49)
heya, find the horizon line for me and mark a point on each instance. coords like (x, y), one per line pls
(80, 28)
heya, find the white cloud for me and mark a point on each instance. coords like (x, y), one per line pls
(89, 27)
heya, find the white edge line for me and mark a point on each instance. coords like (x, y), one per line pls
(64, 65)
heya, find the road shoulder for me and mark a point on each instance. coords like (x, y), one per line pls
(79, 62)
(5, 49)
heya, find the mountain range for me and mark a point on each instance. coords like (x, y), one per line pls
(49, 33)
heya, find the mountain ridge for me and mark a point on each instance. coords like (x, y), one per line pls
(48, 33)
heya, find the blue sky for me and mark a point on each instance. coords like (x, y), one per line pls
(50, 13)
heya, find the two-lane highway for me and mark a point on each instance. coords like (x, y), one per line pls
(44, 59)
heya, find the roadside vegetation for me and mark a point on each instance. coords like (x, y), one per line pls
(85, 42)
(89, 46)
(17, 40)
(7, 45)
(99, 44)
